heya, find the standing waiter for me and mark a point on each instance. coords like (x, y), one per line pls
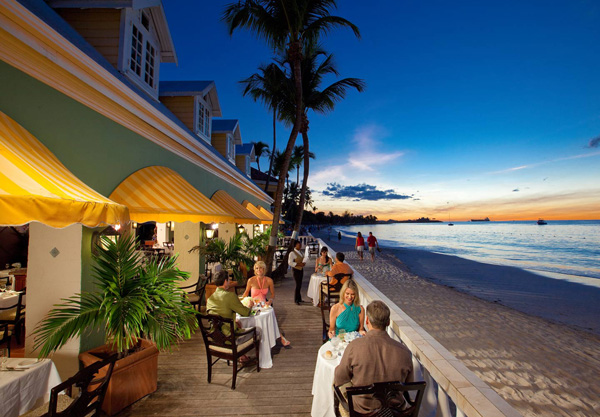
(295, 261)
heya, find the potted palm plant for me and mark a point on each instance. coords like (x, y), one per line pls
(141, 310)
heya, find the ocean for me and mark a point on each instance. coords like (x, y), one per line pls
(568, 250)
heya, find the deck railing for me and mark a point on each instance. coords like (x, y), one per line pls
(448, 379)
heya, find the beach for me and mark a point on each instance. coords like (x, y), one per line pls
(532, 358)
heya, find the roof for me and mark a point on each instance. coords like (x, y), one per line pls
(167, 48)
(192, 88)
(228, 126)
(246, 149)
(257, 175)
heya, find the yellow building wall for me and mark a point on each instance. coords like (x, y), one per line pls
(183, 108)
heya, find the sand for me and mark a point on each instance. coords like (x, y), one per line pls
(541, 366)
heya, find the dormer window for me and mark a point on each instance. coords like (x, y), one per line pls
(248, 166)
(140, 40)
(230, 148)
(202, 121)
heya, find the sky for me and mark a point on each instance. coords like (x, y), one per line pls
(472, 108)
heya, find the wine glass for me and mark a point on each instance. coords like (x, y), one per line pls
(3, 357)
(335, 342)
(342, 334)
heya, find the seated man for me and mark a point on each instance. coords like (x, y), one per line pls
(374, 358)
(225, 304)
(339, 267)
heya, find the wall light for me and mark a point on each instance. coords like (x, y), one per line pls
(209, 233)
(241, 229)
(134, 225)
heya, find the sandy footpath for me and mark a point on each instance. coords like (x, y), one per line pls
(541, 367)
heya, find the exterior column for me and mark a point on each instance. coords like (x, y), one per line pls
(227, 231)
(188, 235)
(54, 271)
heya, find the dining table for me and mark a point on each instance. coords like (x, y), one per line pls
(268, 332)
(322, 389)
(314, 287)
(9, 298)
(25, 383)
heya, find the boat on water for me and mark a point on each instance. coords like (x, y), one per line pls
(487, 219)
(541, 222)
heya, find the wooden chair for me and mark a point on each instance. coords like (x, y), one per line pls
(330, 289)
(313, 249)
(325, 310)
(394, 398)
(14, 316)
(5, 335)
(279, 256)
(196, 296)
(92, 382)
(222, 343)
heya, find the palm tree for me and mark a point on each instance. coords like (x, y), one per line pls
(320, 101)
(260, 149)
(278, 159)
(266, 87)
(298, 160)
(286, 25)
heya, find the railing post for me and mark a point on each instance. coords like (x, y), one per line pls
(443, 407)
(429, 404)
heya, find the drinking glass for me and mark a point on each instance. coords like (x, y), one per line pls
(342, 334)
(335, 342)
(3, 357)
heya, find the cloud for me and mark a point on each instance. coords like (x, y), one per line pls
(365, 156)
(594, 143)
(566, 158)
(361, 192)
(516, 190)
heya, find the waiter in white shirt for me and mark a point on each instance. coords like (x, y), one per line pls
(295, 261)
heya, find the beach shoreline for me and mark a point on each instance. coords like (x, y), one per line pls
(539, 365)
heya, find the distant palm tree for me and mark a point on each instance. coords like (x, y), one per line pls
(321, 101)
(298, 160)
(260, 149)
(266, 88)
(286, 25)
(278, 159)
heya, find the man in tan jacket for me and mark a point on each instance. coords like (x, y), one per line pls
(374, 358)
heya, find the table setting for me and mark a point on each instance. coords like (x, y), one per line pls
(9, 298)
(314, 286)
(25, 383)
(263, 318)
(329, 357)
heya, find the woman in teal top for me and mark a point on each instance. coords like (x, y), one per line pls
(348, 314)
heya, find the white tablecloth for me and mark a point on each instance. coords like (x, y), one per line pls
(266, 325)
(8, 299)
(314, 287)
(25, 390)
(322, 389)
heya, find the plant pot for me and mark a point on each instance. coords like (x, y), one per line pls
(134, 376)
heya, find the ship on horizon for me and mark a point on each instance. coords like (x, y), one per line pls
(487, 219)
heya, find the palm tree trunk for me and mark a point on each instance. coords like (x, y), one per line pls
(304, 185)
(295, 55)
(273, 150)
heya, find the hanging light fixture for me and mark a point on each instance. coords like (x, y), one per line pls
(241, 229)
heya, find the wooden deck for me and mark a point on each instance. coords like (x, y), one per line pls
(284, 389)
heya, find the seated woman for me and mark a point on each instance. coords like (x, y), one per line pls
(324, 262)
(259, 286)
(348, 314)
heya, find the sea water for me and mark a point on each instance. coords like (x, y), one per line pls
(561, 249)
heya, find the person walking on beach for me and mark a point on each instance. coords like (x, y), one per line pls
(372, 242)
(360, 245)
(295, 261)
(339, 235)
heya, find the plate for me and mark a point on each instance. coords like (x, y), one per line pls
(333, 356)
(27, 363)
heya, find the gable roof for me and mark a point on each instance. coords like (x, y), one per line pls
(192, 88)
(245, 149)
(228, 126)
(157, 13)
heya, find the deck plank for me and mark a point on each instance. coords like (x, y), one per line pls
(284, 389)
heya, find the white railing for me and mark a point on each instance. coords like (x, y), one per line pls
(448, 379)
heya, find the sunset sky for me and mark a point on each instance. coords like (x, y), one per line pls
(472, 108)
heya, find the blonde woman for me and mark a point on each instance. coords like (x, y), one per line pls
(348, 314)
(259, 286)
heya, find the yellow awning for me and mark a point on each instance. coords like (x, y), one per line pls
(268, 214)
(36, 186)
(239, 212)
(160, 194)
(264, 219)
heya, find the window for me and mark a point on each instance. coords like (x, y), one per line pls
(248, 166)
(141, 60)
(202, 119)
(230, 148)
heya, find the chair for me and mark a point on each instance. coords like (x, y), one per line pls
(325, 310)
(195, 296)
(5, 335)
(223, 346)
(394, 397)
(330, 289)
(14, 316)
(279, 256)
(92, 382)
(313, 249)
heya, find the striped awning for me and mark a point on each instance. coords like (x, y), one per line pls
(239, 212)
(160, 194)
(36, 186)
(264, 219)
(268, 213)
